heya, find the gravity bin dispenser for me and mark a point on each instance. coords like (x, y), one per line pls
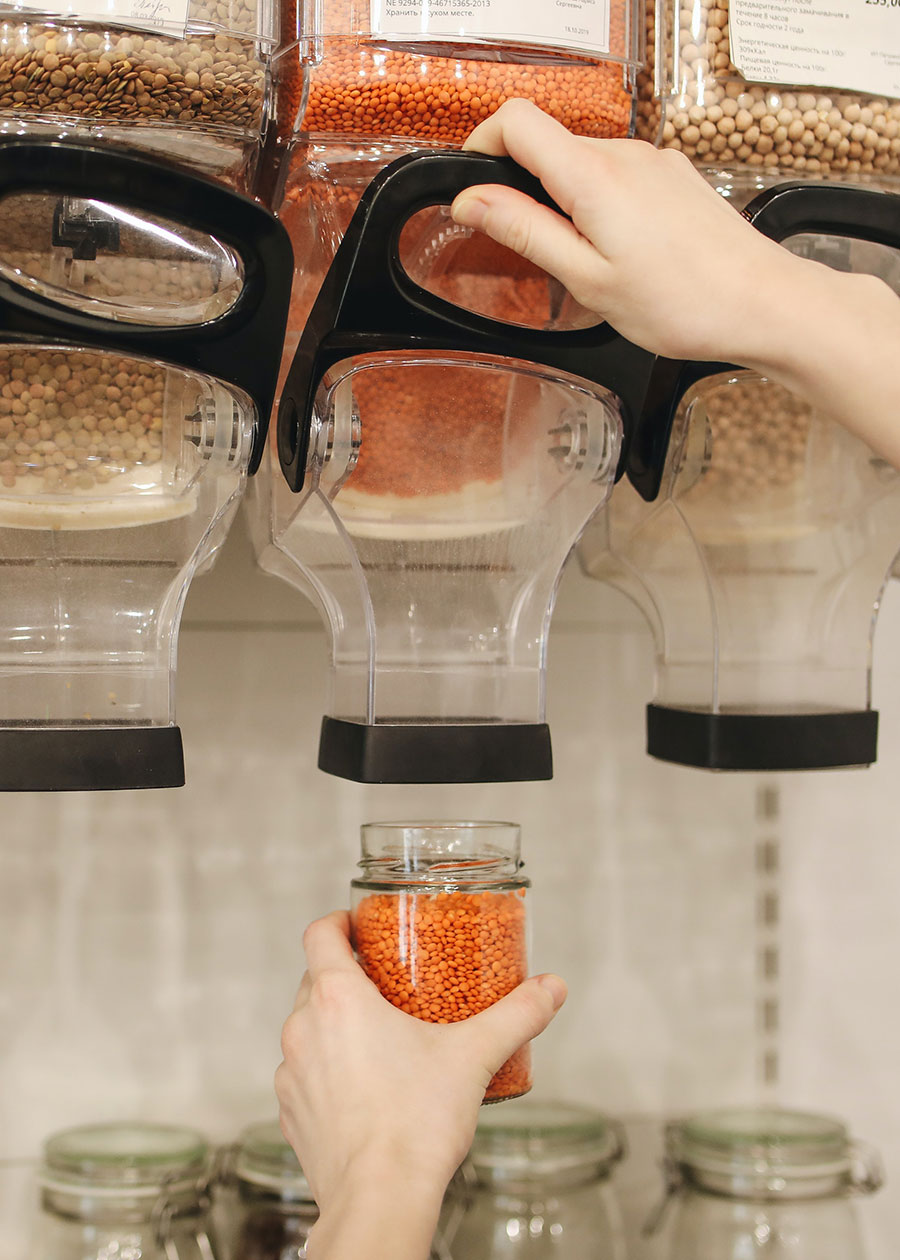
(758, 536)
(141, 316)
(440, 464)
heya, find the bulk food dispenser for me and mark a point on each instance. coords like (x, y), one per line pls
(139, 347)
(761, 562)
(188, 79)
(367, 82)
(749, 93)
(440, 465)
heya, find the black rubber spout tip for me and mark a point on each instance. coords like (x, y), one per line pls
(403, 752)
(762, 741)
(90, 758)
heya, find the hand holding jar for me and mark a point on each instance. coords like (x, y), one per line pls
(381, 1106)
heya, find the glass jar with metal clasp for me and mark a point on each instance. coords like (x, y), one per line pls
(536, 1185)
(124, 1192)
(754, 1180)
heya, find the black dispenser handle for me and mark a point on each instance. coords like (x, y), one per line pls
(369, 303)
(781, 212)
(241, 347)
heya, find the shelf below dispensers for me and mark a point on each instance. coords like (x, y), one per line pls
(762, 741)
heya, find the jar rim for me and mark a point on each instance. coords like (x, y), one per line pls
(439, 824)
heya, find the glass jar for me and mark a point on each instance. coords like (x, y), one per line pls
(537, 1185)
(777, 1181)
(268, 1208)
(439, 923)
(124, 1190)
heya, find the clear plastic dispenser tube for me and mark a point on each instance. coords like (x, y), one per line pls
(439, 923)
(439, 464)
(704, 91)
(189, 81)
(135, 379)
(757, 536)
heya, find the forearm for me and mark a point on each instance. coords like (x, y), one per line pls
(380, 1218)
(832, 338)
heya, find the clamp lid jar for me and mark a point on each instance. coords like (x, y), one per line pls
(786, 1177)
(537, 1184)
(271, 1207)
(115, 1189)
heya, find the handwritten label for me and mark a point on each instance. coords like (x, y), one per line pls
(849, 44)
(165, 17)
(580, 25)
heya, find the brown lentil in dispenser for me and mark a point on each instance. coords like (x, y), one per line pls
(694, 98)
(440, 924)
(193, 89)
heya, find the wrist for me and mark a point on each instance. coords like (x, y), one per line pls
(796, 322)
(361, 1217)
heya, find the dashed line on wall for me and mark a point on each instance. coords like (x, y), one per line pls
(768, 938)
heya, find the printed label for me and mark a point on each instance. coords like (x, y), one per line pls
(164, 17)
(582, 25)
(849, 44)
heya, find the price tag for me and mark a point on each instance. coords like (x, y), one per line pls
(849, 44)
(164, 17)
(581, 25)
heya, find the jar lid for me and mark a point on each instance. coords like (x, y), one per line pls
(530, 1138)
(263, 1157)
(769, 1151)
(132, 1158)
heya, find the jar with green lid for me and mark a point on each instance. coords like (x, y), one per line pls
(265, 1207)
(767, 1181)
(537, 1185)
(120, 1190)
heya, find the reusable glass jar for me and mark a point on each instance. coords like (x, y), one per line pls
(692, 97)
(268, 1207)
(119, 1190)
(767, 1181)
(537, 1185)
(440, 923)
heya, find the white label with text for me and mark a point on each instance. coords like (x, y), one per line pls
(582, 25)
(849, 44)
(164, 17)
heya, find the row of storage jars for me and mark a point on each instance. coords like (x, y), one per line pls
(537, 1183)
(209, 81)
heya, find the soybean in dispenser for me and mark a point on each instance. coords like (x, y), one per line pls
(763, 540)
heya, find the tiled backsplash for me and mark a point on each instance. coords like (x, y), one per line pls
(152, 940)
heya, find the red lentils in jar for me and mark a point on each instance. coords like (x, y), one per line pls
(439, 924)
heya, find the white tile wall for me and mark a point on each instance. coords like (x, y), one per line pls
(152, 940)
